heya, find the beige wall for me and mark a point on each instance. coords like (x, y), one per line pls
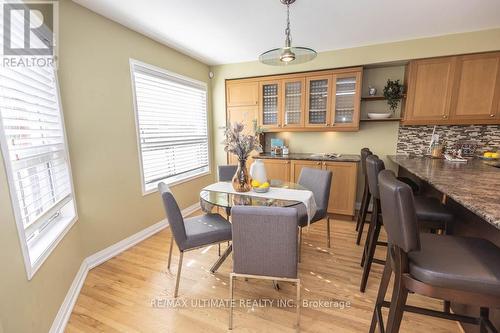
(380, 136)
(97, 101)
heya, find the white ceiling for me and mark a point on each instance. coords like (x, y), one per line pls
(228, 31)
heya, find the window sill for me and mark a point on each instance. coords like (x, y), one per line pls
(41, 249)
(178, 182)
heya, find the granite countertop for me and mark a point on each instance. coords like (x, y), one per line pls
(475, 184)
(310, 157)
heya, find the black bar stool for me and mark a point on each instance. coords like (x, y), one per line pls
(431, 215)
(365, 201)
(458, 269)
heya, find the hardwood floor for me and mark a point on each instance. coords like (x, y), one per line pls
(119, 295)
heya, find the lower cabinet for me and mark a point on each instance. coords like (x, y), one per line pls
(344, 183)
(277, 169)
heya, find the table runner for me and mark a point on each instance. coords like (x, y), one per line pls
(304, 196)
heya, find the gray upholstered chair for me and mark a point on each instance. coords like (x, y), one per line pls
(264, 246)
(318, 182)
(191, 233)
(226, 172)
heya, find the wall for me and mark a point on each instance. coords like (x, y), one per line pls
(97, 102)
(383, 135)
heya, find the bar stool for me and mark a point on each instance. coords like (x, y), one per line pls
(431, 214)
(467, 274)
(365, 201)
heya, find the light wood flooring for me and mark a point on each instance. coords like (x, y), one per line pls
(118, 295)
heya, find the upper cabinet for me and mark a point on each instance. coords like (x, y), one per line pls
(454, 90)
(242, 93)
(318, 103)
(346, 98)
(293, 102)
(477, 87)
(270, 104)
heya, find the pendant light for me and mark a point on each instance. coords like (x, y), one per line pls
(287, 55)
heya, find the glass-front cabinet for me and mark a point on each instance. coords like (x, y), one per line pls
(346, 97)
(293, 102)
(270, 104)
(318, 101)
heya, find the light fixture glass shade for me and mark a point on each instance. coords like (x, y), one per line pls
(283, 56)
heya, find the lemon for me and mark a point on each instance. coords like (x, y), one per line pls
(255, 183)
(488, 154)
(495, 155)
(264, 185)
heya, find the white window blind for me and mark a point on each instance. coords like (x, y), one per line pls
(171, 114)
(35, 154)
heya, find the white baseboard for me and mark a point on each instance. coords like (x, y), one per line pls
(62, 317)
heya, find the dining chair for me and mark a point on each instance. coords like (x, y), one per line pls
(451, 268)
(318, 182)
(431, 214)
(191, 233)
(264, 247)
(226, 172)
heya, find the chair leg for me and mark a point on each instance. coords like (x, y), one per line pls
(372, 245)
(446, 306)
(398, 302)
(300, 243)
(219, 249)
(231, 305)
(371, 228)
(328, 231)
(382, 290)
(363, 218)
(483, 318)
(178, 275)
(298, 305)
(170, 251)
(363, 199)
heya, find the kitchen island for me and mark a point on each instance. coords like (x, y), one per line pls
(472, 192)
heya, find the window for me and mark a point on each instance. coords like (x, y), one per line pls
(36, 159)
(171, 119)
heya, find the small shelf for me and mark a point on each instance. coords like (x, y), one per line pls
(385, 119)
(376, 98)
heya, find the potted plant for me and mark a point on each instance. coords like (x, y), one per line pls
(393, 92)
(240, 144)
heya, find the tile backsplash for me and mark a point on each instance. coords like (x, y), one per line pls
(416, 139)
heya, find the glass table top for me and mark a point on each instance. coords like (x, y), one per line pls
(229, 200)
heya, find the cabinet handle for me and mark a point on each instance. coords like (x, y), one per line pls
(492, 115)
(318, 163)
(445, 116)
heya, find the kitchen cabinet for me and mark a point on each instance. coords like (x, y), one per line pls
(343, 188)
(293, 102)
(270, 104)
(297, 165)
(277, 169)
(430, 85)
(457, 90)
(346, 100)
(242, 93)
(477, 87)
(318, 101)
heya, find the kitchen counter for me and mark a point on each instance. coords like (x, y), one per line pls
(475, 185)
(310, 157)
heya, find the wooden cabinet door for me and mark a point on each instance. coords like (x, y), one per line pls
(343, 188)
(293, 102)
(477, 88)
(346, 100)
(297, 165)
(318, 100)
(270, 104)
(430, 86)
(242, 93)
(277, 169)
(246, 115)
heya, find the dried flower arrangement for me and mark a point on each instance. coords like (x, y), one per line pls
(240, 144)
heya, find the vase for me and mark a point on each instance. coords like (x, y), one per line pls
(258, 171)
(241, 179)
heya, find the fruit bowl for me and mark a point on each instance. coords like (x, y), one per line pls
(260, 189)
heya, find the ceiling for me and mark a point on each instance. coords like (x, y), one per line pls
(229, 31)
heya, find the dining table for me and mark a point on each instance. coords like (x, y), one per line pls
(219, 195)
